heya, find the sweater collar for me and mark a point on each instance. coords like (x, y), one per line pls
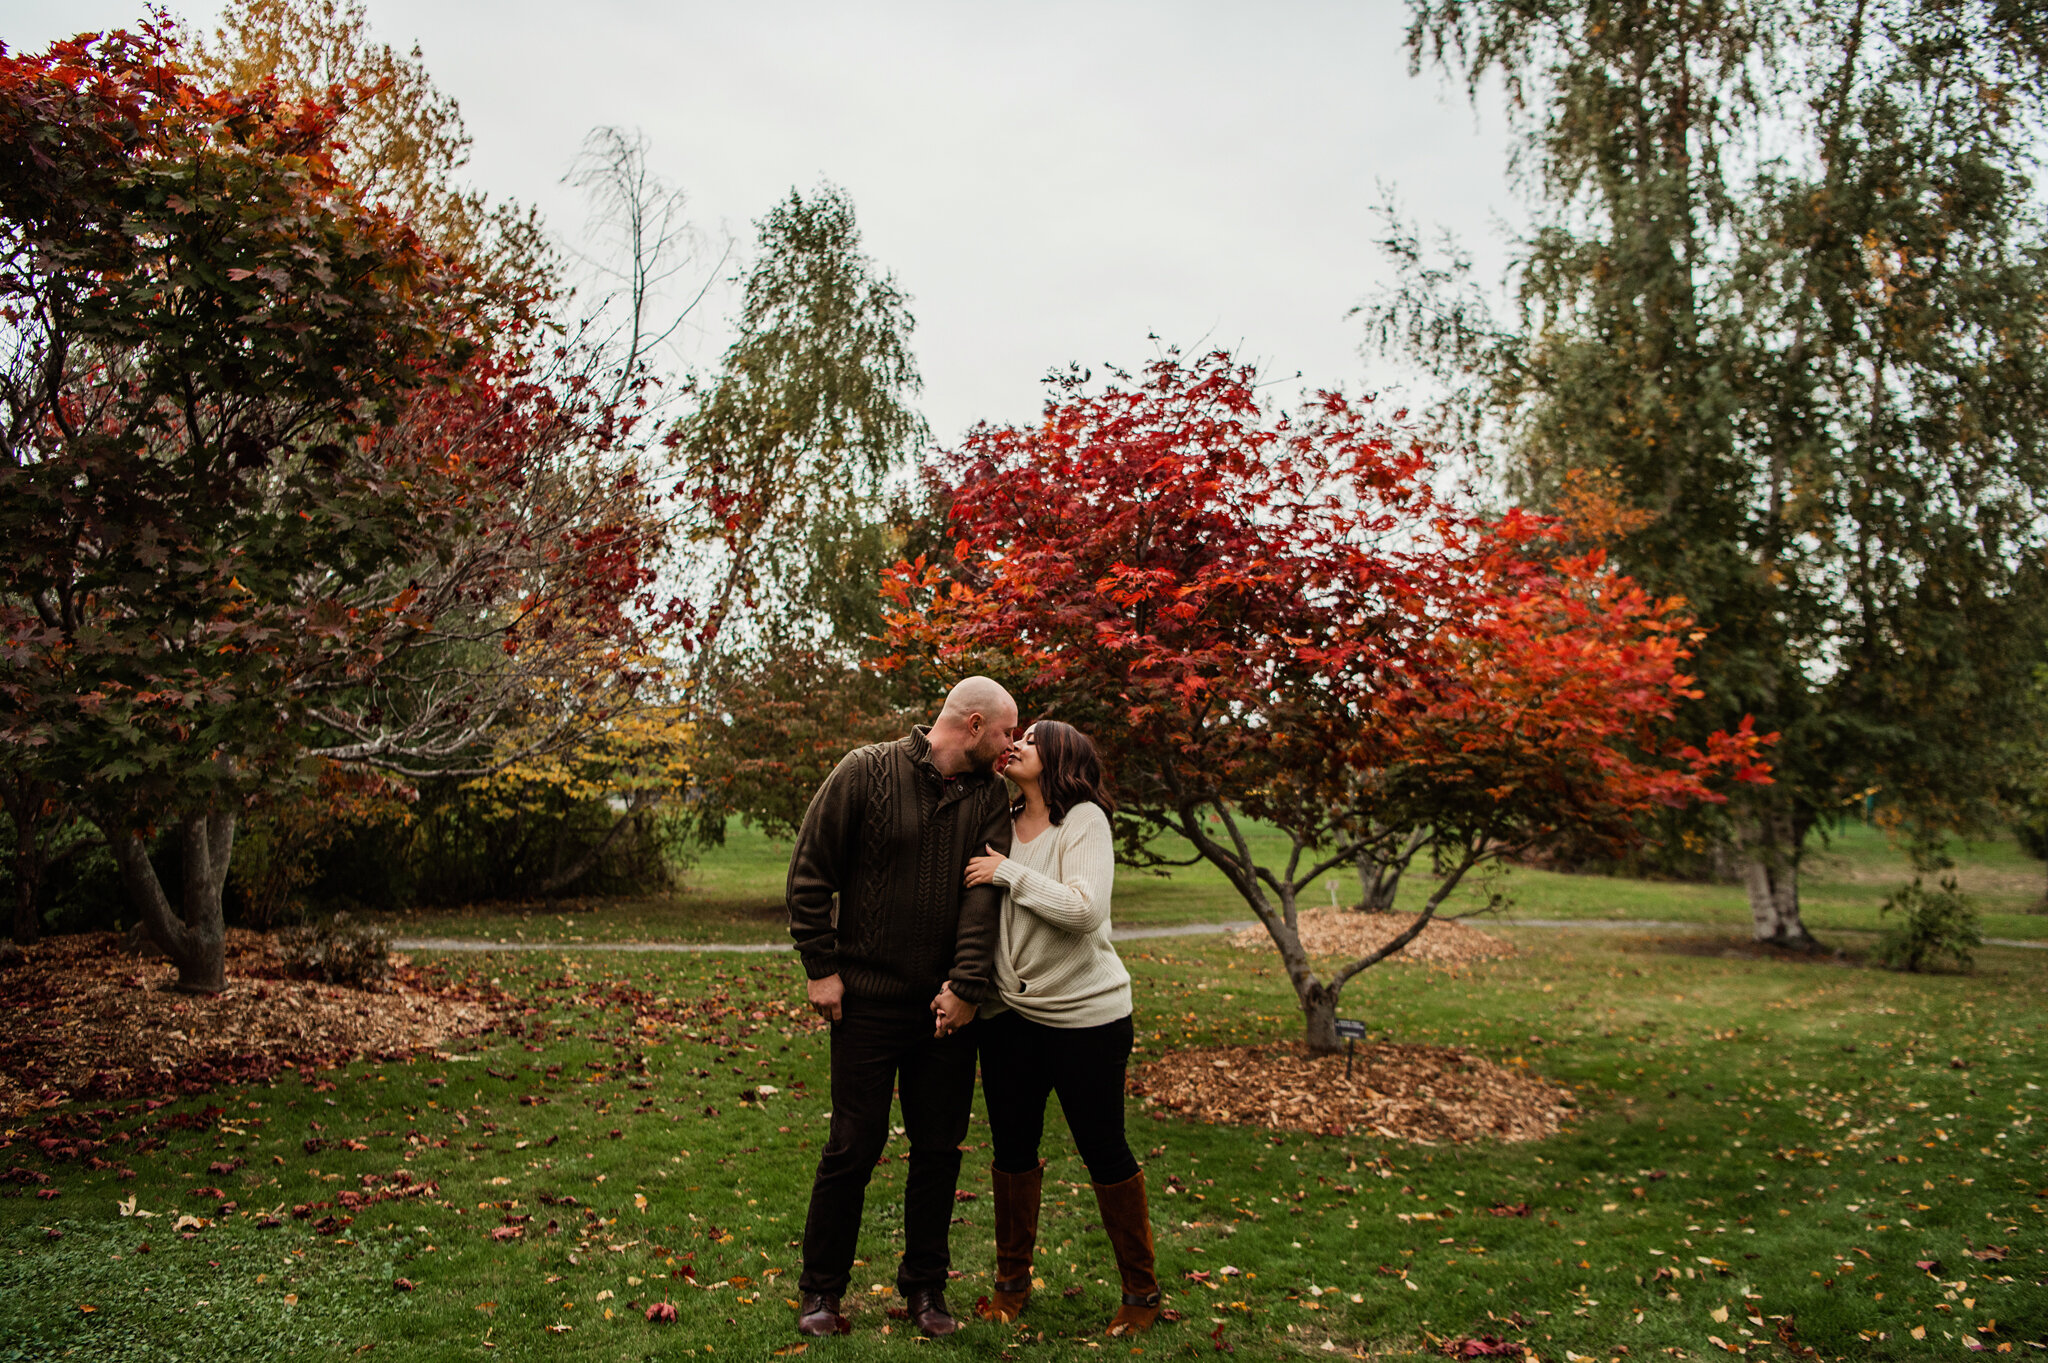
(919, 742)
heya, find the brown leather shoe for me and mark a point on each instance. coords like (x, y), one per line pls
(818, 1315)
(1128, 1222)
(1017, 1199)
(927, 1306)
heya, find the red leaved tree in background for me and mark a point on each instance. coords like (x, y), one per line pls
(280, 483)
(1272, 619)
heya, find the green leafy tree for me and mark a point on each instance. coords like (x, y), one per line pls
(800, 449)
(1786, 282)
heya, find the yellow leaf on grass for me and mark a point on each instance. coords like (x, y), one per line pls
(1719, 1314)
(1919, 1332)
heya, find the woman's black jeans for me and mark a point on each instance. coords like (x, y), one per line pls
(1022, 1062)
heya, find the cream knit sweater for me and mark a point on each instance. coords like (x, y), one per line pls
(1054, 963)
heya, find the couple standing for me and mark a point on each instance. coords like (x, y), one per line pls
(968, 924)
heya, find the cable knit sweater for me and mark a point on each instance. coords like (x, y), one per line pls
(874, 885)
(1054, 962)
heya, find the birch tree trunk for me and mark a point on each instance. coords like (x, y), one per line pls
(1770, 846)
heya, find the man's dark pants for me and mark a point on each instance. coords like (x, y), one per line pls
(876, 1047)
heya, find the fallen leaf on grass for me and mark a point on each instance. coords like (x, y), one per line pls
(1485, 1346)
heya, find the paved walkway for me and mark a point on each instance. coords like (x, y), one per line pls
(1116, 934)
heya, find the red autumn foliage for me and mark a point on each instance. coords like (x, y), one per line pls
(285, 482)
(1281, 618)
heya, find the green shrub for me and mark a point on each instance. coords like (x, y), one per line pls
(339, 951)
(1930, 924)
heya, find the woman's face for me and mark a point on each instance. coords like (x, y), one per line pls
(1024, 763)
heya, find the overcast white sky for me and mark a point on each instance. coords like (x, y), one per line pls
(1050, 182)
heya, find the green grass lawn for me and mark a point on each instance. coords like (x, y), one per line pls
(734, 894)
(1759, 1142)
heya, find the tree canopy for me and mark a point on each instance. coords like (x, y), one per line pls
(1268, 617)
(1785, 281)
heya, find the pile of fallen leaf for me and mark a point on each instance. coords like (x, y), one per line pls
(78, 1018)
(1349, 933)
(1412, 1093)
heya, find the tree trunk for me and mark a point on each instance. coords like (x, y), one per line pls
(1319, 1014)
(194, 937)
(562, 879)
(28, 868)
(27, 801)
(1767, 856)
(1378, 882)
(1318, 1001)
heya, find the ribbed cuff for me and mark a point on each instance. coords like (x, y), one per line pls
(1009, 873)
(821, 965)
(971, 991)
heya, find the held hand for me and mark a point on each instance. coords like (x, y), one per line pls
(951, 1011)
(827, 996)
(982, 870)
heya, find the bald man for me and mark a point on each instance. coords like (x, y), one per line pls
(888, 836)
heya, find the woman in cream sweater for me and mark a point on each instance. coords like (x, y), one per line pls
(1062, 1024)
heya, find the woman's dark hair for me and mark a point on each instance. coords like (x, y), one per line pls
(1073, 773)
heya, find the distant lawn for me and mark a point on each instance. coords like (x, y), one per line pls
(734, 894)
(1764, 1146)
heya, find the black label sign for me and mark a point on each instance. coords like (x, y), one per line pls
(1351, 1029)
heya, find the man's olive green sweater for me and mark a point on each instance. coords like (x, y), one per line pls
(889, 837)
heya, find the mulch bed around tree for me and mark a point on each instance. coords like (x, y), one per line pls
(79, 1019)
(1427, 1094)
(1349, 933)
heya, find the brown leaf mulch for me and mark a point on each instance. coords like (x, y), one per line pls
(1426, 1094)
(1349, 933)
(79, 1019)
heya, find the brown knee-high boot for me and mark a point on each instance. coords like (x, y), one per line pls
(1128, 1221)
(1017, 1198)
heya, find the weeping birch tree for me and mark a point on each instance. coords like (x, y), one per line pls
(1786, 281)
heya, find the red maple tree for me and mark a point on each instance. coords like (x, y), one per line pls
(282, 484)
(1277, 619)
